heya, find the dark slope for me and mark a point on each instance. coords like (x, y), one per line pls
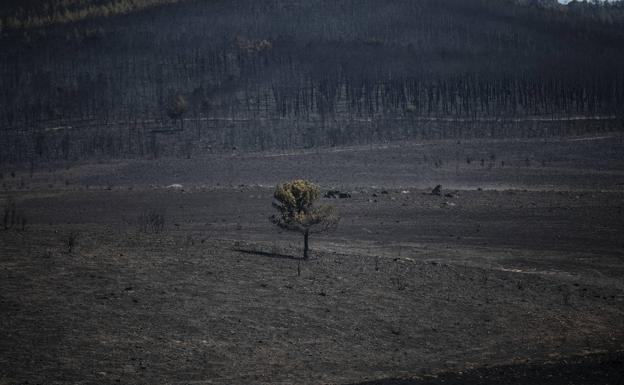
(279, 74)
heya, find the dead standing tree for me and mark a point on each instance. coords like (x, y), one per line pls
(294, 202)
(176, 108)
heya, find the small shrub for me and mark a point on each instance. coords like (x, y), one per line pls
(151, 221)
(70, 241)
(399, 282)
(177, 106)
(11, 217)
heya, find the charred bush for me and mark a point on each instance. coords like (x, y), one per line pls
(151, 221)
(12, 218)
(70, 241)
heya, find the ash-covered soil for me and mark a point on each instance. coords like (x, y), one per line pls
(580, 370)
(518, 264)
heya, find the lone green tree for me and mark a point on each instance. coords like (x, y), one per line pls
(297, 212)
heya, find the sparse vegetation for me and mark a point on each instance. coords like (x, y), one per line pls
(12, 218)
(151, 221)
(70, 240)
(10, 213)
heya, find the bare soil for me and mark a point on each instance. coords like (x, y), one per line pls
(514, 274)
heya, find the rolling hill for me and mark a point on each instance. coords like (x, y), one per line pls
(285, 74)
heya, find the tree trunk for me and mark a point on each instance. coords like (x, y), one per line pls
(305, 244)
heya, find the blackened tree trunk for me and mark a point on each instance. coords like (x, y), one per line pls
(306, 235)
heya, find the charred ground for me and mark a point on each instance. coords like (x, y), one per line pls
(523, 271)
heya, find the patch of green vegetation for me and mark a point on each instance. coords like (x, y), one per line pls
(31, 14)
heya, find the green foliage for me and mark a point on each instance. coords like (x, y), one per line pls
(294, 202)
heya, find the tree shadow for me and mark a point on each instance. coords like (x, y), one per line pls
(267, 254)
